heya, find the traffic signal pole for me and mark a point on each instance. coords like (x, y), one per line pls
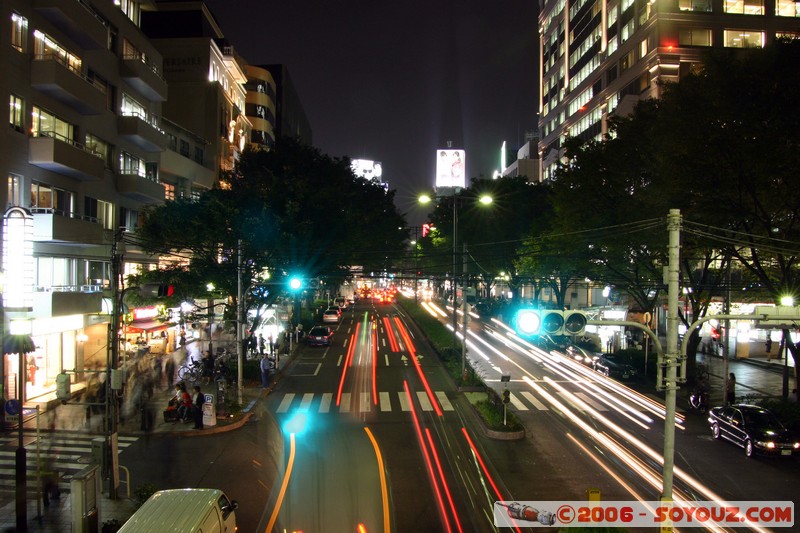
(464, 315)
(672, 354)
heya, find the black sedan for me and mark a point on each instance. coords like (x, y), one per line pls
(319, 336)
(753, 428)
(611, 366)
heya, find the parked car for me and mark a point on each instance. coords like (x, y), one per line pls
(610, 365)
(753, 428)
(319, 336)
(331, 315)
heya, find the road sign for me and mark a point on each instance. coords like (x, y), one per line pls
(12, 407)
(505, 379)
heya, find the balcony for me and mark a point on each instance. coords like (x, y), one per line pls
(54, 226)
(66, 301)
(174, 164)
(140, 188)
(144, 77)
(76, 20)
(65, 157)
(52, 77)
(141, 132)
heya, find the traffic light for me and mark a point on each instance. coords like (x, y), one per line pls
(157, 290)
(527, 322)
(574, 322)
(506, 396)
(295, 283)
(550, 322)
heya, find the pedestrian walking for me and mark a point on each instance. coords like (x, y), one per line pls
(158, 369)
(731, 389)
(169, 370)
(198, 399)
(769, 344)
(271, 345)
(261, 344)
(264, 365)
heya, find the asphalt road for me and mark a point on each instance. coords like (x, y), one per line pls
(389, 444)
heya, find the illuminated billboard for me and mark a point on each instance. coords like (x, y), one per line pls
(367, 168)
(450, 168)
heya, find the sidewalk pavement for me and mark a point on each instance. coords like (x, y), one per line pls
(759, 376)
(57, 517)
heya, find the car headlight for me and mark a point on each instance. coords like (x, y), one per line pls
(796, 445)
(764, 444)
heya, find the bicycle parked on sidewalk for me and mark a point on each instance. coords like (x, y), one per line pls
(191, 372)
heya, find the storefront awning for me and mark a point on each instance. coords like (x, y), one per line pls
(18, 344)
(143, 326)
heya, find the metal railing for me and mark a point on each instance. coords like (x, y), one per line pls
(65, 139)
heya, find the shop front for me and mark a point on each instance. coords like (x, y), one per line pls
(146, 333)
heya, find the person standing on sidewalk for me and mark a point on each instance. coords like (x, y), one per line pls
(731, 389)
(198, 399)
(264, 365)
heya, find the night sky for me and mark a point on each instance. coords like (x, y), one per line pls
(394, 81)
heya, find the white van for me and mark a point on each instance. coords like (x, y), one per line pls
(184, 511)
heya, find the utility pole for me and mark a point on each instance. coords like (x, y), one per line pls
(416, 256)
(671, 357)
(240, 322)
(455, 255)
(464, 316)
(113, 378)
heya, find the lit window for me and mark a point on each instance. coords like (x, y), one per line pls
(16, 108)
(744, 7)
(744, 39)
(46, 48)
(14, 189)
(694, 37)
(694, 5)
(787, 8)
(19, 32)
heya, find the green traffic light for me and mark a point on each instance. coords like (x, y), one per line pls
(528, 322)
(295, 283)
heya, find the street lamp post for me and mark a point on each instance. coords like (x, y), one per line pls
(484, 199)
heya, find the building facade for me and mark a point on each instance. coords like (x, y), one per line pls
(96, 133)
(81, 158)
(203, 68)
(600, 57)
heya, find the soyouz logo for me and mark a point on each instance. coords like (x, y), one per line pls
(643, 514)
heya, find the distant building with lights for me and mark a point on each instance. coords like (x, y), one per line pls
(526, 162)
(203, 68)
(600, 57)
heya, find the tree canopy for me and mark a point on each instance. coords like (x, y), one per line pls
(291, 209)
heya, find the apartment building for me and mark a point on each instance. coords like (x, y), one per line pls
(600, 57)
(87, 148)
(203, 68)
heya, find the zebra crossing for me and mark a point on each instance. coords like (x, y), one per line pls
(64, 452)
(398, 401)
(361, 402)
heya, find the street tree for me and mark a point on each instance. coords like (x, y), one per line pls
(290, 210)
(721, 146)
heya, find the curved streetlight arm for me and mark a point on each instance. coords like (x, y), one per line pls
(649, 332)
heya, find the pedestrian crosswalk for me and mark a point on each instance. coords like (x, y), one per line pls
(63, 452)
(388, 401)
(361, 402)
